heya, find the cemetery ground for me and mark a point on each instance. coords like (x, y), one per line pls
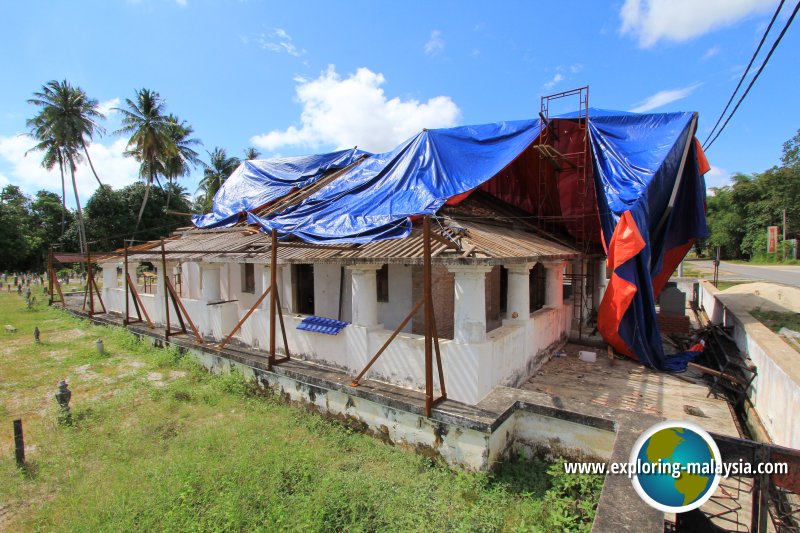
(157, 443)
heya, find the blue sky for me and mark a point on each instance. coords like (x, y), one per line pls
(305, 77)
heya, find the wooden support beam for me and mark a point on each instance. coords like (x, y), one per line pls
(441, 240)
(283, 327)
(717, 373)
(244, 319)
(427, 296)
(100, 298)
(138, 301)
(273, 282)
(177, 301)
(398, 329)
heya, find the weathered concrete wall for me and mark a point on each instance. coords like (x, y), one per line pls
(508, 356)
(327, 279)
(525, 431)
(391, 313)
(546, 436)
(775, 392)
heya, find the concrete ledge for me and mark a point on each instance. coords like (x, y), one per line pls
(775, 393)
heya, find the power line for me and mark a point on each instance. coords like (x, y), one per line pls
(752, 82)
(746, 70)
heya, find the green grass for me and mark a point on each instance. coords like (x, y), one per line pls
(689, 272)
(157, 443)
(772, 259)
(722, 285)
(775, 320)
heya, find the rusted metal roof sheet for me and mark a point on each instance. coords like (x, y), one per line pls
(456, 242)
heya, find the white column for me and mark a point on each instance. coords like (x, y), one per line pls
(518, 296)
(600, 282)
(470, 303)
(211, 287)
(110, 275)
(132, 266)
(554, 283)
(365, 294)
(191, 279)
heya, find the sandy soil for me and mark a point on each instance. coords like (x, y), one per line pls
(767, 296)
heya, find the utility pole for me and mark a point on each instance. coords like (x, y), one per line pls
(784, 223)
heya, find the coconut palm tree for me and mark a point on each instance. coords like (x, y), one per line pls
(219, 168)
(52, 156)
(251, 153)
(66, 118)
(151, 142)
(179, 163)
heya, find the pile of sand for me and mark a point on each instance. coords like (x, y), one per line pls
(766, 296)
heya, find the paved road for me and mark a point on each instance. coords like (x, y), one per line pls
(786, 274)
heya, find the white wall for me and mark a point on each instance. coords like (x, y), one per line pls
(391, 313)
(775, 392)
(508, 356)
(326, 290)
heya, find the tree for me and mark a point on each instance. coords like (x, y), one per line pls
(219, 168)
(151, 141)
(738, 215)
(14, 218)
(791, 152)
(65, 119)
(251, 153)
(46, 212)
(111, 213)
(181, 162)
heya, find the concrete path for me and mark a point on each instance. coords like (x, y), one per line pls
(785, 274)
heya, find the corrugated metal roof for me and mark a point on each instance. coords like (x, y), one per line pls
(458, 242)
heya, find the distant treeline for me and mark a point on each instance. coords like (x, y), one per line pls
(738, 214)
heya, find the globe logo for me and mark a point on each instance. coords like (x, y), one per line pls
(675, 466)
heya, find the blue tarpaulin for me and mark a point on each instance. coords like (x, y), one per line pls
(651, 201)
(258, 182)
(648, 216)
(374, 200)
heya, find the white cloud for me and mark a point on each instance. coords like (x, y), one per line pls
(279, 41)
(556, 79)
(577, 67)
(182, 3)
(711, 52)
(435, 44)
(680, 20)
(662, 98)
(107, 107)
(26, 171)
(355, 111)
(717, 177)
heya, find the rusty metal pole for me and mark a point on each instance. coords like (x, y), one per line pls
(273, 281)
(125, 282)
(164, 284)
(19, 443)
(89, 279)
(426, 274)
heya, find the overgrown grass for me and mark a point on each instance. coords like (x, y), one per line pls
(689, 272)
(157, 443)
(776, 320)
(722, 285)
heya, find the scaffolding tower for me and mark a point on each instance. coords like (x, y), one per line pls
(562, 157)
